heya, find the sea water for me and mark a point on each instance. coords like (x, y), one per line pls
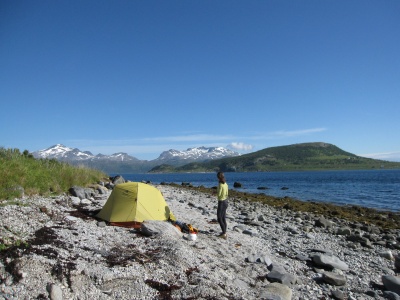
(379, 189)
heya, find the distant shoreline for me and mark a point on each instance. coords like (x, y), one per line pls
(353, 213)
(373, 188)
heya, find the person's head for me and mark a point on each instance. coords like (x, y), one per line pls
(221, 177)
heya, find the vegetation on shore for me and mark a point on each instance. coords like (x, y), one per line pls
(21, 173)
(297, 157)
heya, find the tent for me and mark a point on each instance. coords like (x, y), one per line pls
(131, 203)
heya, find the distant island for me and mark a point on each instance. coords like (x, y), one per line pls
(296, 157)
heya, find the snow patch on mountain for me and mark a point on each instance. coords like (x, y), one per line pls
(198, 153)
(63, 153)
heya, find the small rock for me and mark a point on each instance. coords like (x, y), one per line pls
(101, 224)
(55, 292)
(333, 278)
(322, 222)
(339, 295)
(276, 291)
(386, 254)
(330, 261)
(343, 231)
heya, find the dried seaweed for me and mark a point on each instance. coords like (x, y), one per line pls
(46, 236)
(83, 213)
(163, 288)
(63, 269)
(10, 256)
(43, 236)
(124, 256)
(189, 271)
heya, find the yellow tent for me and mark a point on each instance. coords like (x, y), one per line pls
(131, 203)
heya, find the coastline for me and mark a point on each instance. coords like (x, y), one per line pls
(377, 189)
(270, 250)
(353, 213)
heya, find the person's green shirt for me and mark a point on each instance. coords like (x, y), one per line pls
(222, 191)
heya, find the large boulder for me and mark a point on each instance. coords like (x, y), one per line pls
(81, 192)
(164, 228)
(237, 184)
(391, 283)
(117, 179)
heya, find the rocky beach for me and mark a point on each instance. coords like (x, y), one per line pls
(54, 248)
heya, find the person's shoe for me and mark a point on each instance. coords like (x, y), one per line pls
(223, 236)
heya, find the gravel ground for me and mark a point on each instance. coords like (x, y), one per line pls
(62, 252)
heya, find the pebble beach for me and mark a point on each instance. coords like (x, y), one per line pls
(61, 251)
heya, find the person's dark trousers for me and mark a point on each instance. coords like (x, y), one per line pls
(221, 214)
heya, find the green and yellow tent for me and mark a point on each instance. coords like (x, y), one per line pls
(131, 203)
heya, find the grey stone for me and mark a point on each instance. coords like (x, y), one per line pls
(259, 258)
(284, 278)
(86, 202)
(302, 257)
(71, 218)
(55, 292)
(397, 262)
(333, 278)
(339, 295)
(391, 283)
(365, 242)
(241, 284)
(239, 228)
(249, 232)
(118, 179)
(278, 268)
(330, 261)
(386, 254)
(343, 231)
(276, 291)
(151, 227)
(81, 192)
(391, 296)
(322, 222)
(101, 224)
(75, 200)
(251, 258)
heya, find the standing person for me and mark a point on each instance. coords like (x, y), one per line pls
(222, 195)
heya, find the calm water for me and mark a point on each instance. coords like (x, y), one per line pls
(378, 189)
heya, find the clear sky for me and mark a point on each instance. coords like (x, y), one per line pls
(143, 77)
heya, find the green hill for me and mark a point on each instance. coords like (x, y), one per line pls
(297, 157)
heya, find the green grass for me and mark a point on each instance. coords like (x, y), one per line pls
(18, 243)
(21, 173)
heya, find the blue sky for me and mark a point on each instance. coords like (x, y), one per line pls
(143, 77)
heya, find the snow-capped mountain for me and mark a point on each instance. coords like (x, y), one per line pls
(198, 153)
(124, 163)
(63, 153)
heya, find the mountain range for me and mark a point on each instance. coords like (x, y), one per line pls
(123, 163)
(296, 157)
